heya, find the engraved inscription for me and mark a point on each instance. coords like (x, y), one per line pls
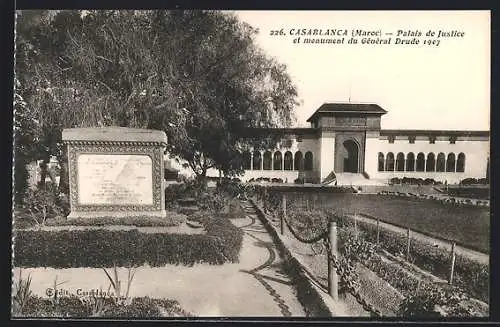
(351, 121)
(105, 179)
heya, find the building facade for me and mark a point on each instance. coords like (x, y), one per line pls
(347, 139)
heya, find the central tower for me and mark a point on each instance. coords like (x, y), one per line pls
(343, 131)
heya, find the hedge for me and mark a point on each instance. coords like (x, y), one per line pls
(173, 219)
(106, 248)
(469, 275)
(470, 192)
(74, 307)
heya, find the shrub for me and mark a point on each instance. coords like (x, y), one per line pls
(41, 204)
(173, 219)
(429, 181)
(394, 180)
(74, 307)
(212, 201)
(469, 181)
(430, 301)
(106, 248)
(299, 181)
(234, 209)
(174, 192)
(482, 181)
(230, 187)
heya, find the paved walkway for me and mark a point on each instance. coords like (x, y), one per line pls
(274, 281)
(256, 286)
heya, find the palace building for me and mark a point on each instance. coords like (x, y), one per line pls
(346, 139)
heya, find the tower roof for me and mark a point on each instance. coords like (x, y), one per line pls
(330, 109)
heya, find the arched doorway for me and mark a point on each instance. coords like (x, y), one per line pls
(351, 155)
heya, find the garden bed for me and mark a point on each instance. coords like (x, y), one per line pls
(470, 275)
(74, 307)
(105, 248)
(443, 220)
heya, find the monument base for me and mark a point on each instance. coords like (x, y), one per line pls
(116, 214)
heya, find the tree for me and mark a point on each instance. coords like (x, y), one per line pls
(197, 75)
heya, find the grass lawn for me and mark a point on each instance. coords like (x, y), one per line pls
(469, 226)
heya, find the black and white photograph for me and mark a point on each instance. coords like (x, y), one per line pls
(198, 164)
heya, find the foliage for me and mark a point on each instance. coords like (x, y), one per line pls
(213, 202)
(413, 181)
(231, 187)
(21, 294)
(470, 192)
(430, 301)
(433, 218)
(106, 248)
(299, 180)
(117, 283)
(197, 75)
(353, 245)
(394, 274)
(174, 192)
(42, 204)
(470, 275)
(474, 181)
(173, 219)
(75, 307)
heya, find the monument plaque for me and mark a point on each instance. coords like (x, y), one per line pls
(115, 171)
(119, 179)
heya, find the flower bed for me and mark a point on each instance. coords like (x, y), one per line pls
(423, 298)
(471, 276)
(106, 248)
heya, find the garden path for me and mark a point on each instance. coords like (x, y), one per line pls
(256, 286)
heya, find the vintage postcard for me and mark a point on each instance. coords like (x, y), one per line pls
(179, 164)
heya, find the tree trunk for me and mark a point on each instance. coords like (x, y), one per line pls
(63, 174)
(43, 172)
(202, 180)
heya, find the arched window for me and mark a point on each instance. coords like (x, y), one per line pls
(450, 162)
(247, 160)
(440, 165)
(380, 161)
(278, 161)
(400, 162)
(257, 161)
(288, 164)
(461, 163)
(268, 160)
(410, 162)
(420, 162)
(389, 162)
(308, 161)
(298, 163)
(431, 162)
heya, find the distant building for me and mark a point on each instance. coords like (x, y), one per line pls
(346, 139)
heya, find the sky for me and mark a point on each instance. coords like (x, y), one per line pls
(444, 87)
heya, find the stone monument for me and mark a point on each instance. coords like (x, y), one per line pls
(115, 172)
